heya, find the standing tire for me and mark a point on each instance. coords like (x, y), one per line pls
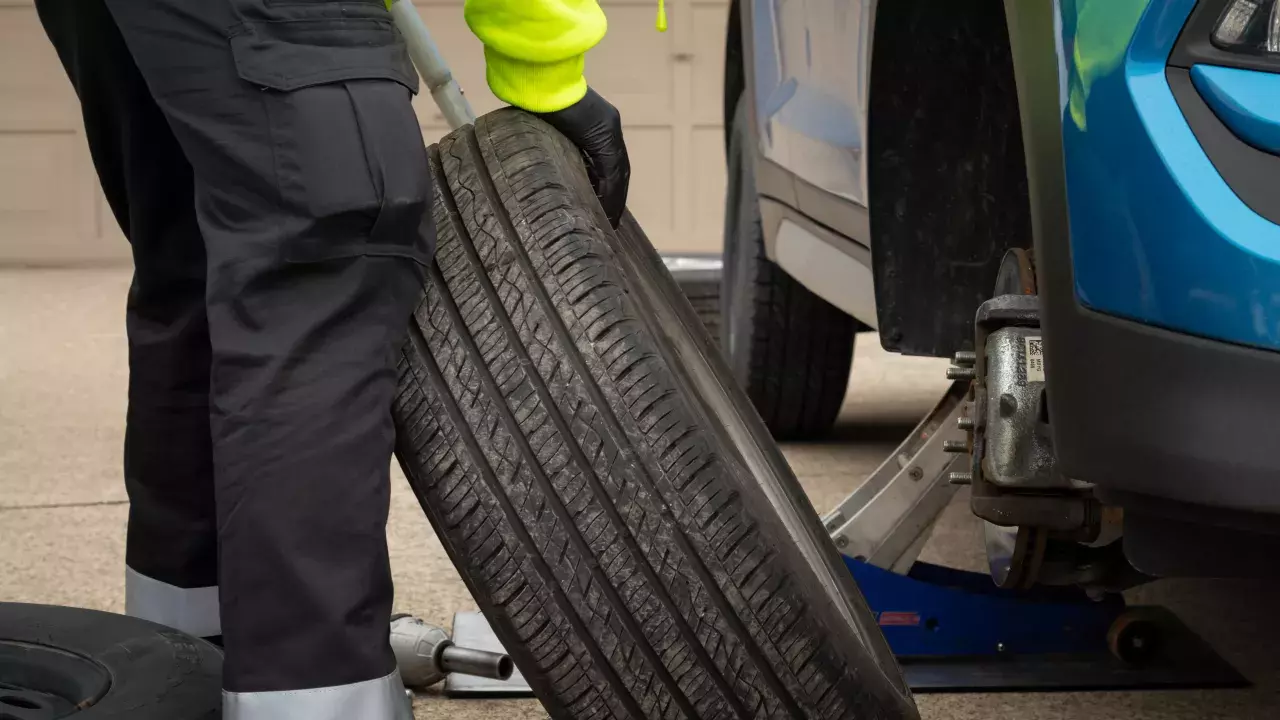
(54, 660)
(618, 512)
(789, 348)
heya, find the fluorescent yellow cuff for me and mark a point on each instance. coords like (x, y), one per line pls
(535, 86)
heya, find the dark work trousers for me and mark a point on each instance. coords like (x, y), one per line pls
(265, 163)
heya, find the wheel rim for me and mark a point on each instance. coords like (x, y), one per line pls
(45, 683)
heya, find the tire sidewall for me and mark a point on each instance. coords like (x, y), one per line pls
(743, 244)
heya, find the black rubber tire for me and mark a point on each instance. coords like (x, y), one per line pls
(617, 510)
(789, 348)
(704, 297)
(701, 287)
(156, 673)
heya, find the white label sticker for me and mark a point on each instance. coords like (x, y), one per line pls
(1035, 358)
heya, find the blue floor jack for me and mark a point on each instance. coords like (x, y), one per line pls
(957, 631)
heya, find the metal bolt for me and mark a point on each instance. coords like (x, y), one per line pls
(960, 478)
(955, 446)
(842, 542)
(835, 521)
(916, 474)
(960, 373)
(966, 358)
(965, 423)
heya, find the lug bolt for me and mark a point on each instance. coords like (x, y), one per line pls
(960, 478)
(960, 373)
(964, 423)
(966, 358)
(955, 446)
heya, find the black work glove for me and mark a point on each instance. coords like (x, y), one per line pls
(596, 128)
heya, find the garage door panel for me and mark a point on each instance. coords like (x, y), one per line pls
(666, 85)
(47, 196)
(631, 66)
(34, 91)
(651, 194)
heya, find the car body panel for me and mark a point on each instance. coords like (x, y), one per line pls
(834, 268)
(811, 69)
(1248, 101)
(1157, 235)
(809, 114)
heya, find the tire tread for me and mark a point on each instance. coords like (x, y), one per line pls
(568, 480)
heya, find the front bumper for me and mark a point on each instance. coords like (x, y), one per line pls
(1157, 282)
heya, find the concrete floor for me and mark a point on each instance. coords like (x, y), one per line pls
(63, 507)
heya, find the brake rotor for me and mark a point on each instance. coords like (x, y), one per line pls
(1014, 554)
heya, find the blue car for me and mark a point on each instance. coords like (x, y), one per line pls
(1079, 202)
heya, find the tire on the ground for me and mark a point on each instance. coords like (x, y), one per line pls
(788, 347)
(148, 671)
(614, 505)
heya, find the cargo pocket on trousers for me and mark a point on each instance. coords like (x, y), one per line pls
(350, 162)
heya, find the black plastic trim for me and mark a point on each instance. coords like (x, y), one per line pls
(1134, 408)
(1195, 44)
(1254, 175)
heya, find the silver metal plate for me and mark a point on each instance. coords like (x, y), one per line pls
(887, 520)
(471, 630)
(1019, 450)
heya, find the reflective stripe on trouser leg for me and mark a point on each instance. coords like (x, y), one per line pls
(192, 610)
(380, 699)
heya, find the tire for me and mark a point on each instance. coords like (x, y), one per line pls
(118, 666)
(698, 277)
(789, 348)
(705, 299)
(618, 512)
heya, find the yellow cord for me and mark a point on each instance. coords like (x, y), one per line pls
(662, 16)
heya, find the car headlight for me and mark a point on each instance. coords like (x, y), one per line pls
(1249, 26)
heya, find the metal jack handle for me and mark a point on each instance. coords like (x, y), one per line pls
(431, 65)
